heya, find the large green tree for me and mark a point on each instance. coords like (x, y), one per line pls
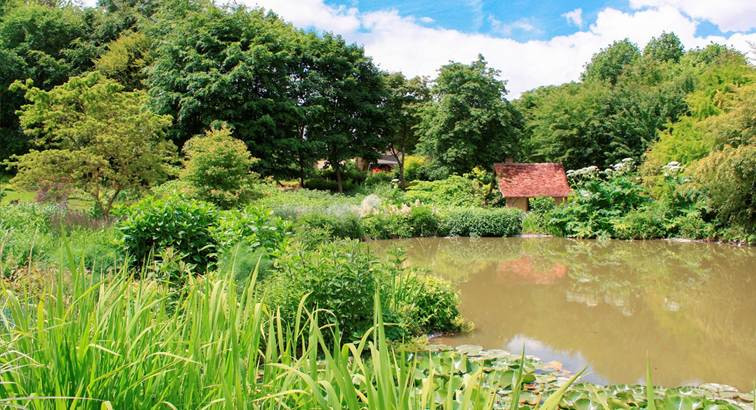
(237, 67)
(665, 47)
(608, 63)
(48, 43)
(93, 136)
(350, 93)
(406, 98)
(469, 123)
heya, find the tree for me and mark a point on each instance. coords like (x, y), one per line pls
(666, 47)
(405, 101)
(95, 136)
(567, 123)
(237, 67)
(49, 42)
(469, 123)
(217, 167)
(608, 64)
(349, 94)
(35, 42)
(126, 59)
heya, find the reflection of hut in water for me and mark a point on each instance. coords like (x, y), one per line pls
(525, 270)
(520, 182)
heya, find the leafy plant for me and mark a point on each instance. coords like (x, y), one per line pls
(481, 222)
(152, 225)
(217, 167)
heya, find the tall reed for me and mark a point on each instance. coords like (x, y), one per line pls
(119, 342)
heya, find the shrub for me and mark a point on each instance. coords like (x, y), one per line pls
(415, 167)
(728, 178)
(495, 222)
(336, 276)
(536, 220)
(378, 178)
(153, 225)
(254, 227)
(340, 225)
(218, 168)
(386, 225)
(324, 184)
(647, 222)
(430, 305)
(452, 191)
(422, 221)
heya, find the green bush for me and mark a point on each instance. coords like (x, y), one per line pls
(496, 222)
(324, 184)
(254, 227)
(452, 191)
(647, 222)
(430, 305)
(152, 225)
(217, 168)
(336, 276)
(378, 178)
(384, 225)
(340, 225)
(423, 221)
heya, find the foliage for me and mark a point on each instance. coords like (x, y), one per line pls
(666, 47)
(337, 276)
(406, 98)
(126, 59)
(497, 222)
(608, 64)
(414, 167)
(152, 225)
(253, 227)
(469, 122)
(452, 191)
(431, 305)
(728, 178)
(722, 113)
(339, 224)
(95, 136)
(217, 167)
(304, 97)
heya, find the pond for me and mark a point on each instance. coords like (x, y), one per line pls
(690, 308)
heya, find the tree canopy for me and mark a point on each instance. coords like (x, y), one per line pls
(95, 136)
(469, 122)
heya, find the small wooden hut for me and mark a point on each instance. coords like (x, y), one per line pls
(519, 182)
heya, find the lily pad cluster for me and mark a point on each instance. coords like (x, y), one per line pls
(450, 369)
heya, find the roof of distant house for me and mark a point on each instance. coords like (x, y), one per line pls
(532, 180)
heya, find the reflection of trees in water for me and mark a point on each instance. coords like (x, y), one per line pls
(690, 306)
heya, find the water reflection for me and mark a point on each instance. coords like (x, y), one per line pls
(690, 308)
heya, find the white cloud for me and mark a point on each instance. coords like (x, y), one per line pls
(426, 20)
(574, 17)
(727, 15)
(312, 13)
(402, 43)
(521, 25)
(476, 7)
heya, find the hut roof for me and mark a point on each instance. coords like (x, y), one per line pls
(531, 180)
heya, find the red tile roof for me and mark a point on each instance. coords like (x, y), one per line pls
(531, 180)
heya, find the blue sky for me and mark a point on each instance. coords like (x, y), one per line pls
(518, 19)
(532, 43)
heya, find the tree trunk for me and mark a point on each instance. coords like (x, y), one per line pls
(337, 168)
(400, 163)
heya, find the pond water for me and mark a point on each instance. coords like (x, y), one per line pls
(690, 308)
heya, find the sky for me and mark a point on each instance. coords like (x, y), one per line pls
(532, 43)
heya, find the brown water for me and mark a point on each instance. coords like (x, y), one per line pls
(690, 308)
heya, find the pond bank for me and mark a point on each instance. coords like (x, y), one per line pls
(541, 379)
